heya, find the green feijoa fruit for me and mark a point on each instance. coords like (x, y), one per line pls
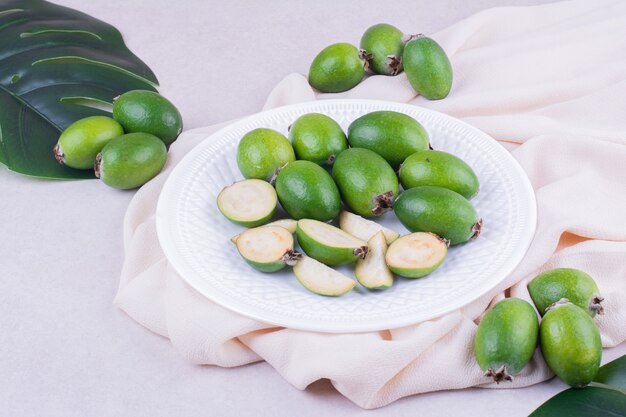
(148, 112)
(287, 224)
(366, 181)
(262, 152)
(392, 135)
(267, 248)
(427, 67)
(329, 244)
(372, 271)
(321, 279)
(364, 229)
(570, 343)
(130, 160)
(575, 285)
(439, 169)
(506, 339)
(417, 254)
(440, 211)
(385, 45)
(306, 190)
(79, 144)
(249, 203)
(339, 67)
(317, 138)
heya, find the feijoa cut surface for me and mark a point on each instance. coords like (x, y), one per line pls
(288, 224)
(372, 271)
(440, 169)
(130, 160)
(306, 190)
(428, 68)
(317, 138)
(249, 203)
(364, 229)
(338, 67)
(321, 279)
(392, 135)
(416, 255)
(267, 248)
(366, 181)
(329, 244)
(440, 211)
(570, 343)
(575, 285)
(384, 42)
(262, 152)
(506, 339)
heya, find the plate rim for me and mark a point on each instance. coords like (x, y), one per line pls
(163, 211)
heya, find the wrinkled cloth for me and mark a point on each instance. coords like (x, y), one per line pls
(549, 83)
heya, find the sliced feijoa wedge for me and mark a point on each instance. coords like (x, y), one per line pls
(364, 229)
(417, 254)
(249, 203)
(372, 272)
(289, 224)
(321, 279)
(267, 248)
(329, 244)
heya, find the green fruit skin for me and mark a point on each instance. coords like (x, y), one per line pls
(428, 68)
(337, 68)
(414, 272)
(507, 336)
(83, 139)
(317, 138)
(131, 160)
(575, 285)
(439, 169)
(361, 175)
(307, 191)
(148, 112)
(437, 210)
(392, 135)
(265, 267)
(571, 345)
(263, 151)
(253, 223)
(382, 41)
(325, 254)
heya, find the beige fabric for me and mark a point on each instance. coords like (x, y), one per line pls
(549, 82)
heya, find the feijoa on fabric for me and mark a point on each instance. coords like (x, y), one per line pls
(338, 67)
(427, 67)
(384, 44)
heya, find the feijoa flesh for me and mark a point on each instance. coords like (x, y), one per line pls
(306, 190)
(267, 248)
(440, 211)
(321, 279)
(317, 138)
(288, 224)
(366, 181)
(249, 203)
(364, 229)
(506, 339)
(416, 255)
(329, 244)
(384, 43)
(372, 271)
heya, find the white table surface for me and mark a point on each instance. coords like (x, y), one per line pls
(64, 349)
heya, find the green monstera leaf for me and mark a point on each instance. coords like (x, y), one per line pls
(57, 65)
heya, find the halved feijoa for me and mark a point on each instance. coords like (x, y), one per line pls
(321, 279)
(289, 224)
(417, 254)
(364, 229)
(267, 248)
(249, 203)
(329, 244)
(372, 271)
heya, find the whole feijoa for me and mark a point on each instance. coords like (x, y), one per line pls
(506, 339)
(339, 67)
(81, 141)
(570, 343)
(392, 135)
(366, 181)
(385, 45)
(317, 138)
(262, 152)
(575, 285)
(148, 112)
(440, 211)
(439, 169)
(307, 191)
(130, 160)
(427, 67)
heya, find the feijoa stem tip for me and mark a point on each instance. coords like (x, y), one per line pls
(476, 228)
(394, 63)
(382, 203)
(291, 257)
(58, 154)
(499, 375)
(96, 165)
(361, 252)
(365, 57)
(595, 304)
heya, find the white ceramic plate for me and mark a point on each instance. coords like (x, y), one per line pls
(195, 236)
